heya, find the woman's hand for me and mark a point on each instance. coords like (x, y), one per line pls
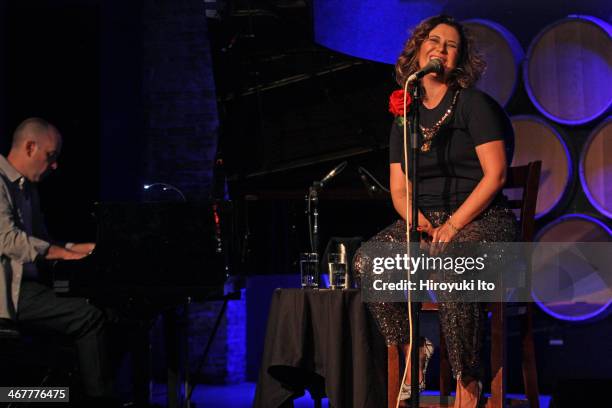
(426, 227)
(440, 237)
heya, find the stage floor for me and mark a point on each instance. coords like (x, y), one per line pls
(241, 396)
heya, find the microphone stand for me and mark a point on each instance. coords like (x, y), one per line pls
(312, 212)
(312, 206)
(414, 238)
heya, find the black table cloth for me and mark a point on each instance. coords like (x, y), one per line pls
(326, 342)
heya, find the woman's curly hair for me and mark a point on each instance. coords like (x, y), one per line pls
(470, 64)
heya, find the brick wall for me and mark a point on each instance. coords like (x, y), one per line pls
(180, 133)
(226, 362)
(179, 103)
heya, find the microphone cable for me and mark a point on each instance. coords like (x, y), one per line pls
(408, 212)
(372, 178)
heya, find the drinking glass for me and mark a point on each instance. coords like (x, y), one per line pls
(337, 268)
(309, 270)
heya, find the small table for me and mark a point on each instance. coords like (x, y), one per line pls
(324, 341)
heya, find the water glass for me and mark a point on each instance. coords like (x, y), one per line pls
(309, 270)
(338, 273)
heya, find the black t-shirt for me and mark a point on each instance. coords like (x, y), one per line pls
(450, 170)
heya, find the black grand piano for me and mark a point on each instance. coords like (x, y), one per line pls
(152, 258)
(150, 250)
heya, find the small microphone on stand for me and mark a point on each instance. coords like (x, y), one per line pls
(312, 200)
(372, 189)
(369, 181)
(435, 65)
(335, 171)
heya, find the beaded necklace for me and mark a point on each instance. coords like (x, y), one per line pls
(429, 133)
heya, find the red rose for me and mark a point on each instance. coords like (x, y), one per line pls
(396, 103)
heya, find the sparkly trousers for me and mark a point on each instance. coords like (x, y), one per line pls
(462, 323)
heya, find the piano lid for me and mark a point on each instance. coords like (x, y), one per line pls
(159, 243)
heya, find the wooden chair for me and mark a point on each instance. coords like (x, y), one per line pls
(527, 179)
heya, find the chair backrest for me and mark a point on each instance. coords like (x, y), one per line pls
(527, 178)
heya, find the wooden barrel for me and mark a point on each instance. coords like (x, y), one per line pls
(596, 168)
(503, 54)
(568, 69)
(534, 139)
(572, 286)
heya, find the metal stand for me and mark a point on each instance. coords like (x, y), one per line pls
(414, 237)
(312, 212)
(176, 336)
(188, 387)
(312, 206)
(140, 346)
(172, 357)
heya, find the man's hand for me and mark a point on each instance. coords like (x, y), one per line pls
(57, 252)
(83, 248)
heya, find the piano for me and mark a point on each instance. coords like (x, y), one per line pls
(153, 258)
(150, 250)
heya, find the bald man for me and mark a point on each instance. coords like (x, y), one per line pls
(24, 240)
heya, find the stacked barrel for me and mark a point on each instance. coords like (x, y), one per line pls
(560, 116)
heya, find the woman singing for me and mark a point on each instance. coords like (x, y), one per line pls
(462, 168)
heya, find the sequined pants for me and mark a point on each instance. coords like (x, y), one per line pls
(462, 323)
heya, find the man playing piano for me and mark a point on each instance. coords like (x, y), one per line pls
(24, 302)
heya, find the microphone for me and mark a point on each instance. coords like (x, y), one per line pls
(370, 182)
(336, 170)
(372, 189)
(434, 65)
